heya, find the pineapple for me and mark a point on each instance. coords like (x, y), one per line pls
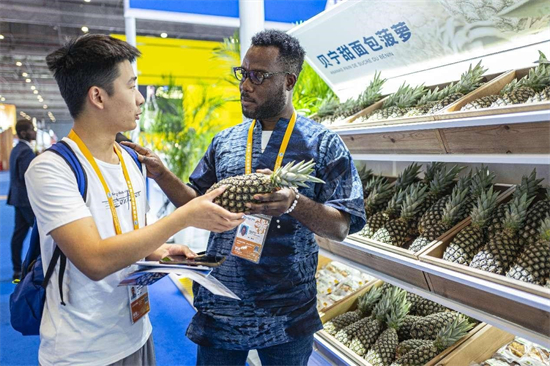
(498, 254)
(449, 218)
(378, 198)
(529, 185)
(408, 177)
(325, 113)
(533, 265)
(379, 219)
(396, 232)
(427, 307)
(371, 183)
(365, 174)
(518, 92)
(469, 81)
(428, 326)
(542, 96)
(468, 241)
(480, 103)
(241, 189)
(362, 334)
(382, 352)
(398, 103)
(368, 97)
(417, 354)
(404, 331)
(535, 216)
(365, 306)
(408, 345)
(431, 170)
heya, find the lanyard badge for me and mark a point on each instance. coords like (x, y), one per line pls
(139, 296)
(251, 234)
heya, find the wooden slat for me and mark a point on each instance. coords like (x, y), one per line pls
(522, 138)
(416, 142)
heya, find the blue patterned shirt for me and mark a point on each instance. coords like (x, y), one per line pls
(278, 295)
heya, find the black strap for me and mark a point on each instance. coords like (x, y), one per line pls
(62, 266)
(51, 267)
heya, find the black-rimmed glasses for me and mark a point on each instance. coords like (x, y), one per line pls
(256, 77)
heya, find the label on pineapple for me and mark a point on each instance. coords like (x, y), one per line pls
(250, 238)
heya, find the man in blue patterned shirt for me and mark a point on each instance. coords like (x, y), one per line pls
(277, 312)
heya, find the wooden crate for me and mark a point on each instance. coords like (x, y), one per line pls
(396, 142)
(478, 348)
(493, 88)
(351, 304)
(345, 124)
(531, 318)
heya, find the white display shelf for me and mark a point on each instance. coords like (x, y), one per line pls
(329, 352)
(499, 119)
(480, 284)
(534, 159)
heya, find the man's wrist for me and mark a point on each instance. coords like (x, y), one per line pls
(295, 202)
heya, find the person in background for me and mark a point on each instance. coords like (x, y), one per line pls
(277, 313)
(20, 159)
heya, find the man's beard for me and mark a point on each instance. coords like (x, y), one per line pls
(269, 109)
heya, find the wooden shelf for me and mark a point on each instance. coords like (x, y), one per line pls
(533, 159)
(351, 252)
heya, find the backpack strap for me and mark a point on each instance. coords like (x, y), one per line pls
(133, 154)
(62, 149)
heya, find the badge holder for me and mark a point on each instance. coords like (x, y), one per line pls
(139, 302)
(250, 238)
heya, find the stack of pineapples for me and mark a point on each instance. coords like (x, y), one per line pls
(533, 88)
(331, 112)
(512, 239)
(393, 327)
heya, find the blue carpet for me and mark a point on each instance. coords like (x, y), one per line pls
(170, 312)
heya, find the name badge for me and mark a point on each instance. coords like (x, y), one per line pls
(139, 302)
(250, 238)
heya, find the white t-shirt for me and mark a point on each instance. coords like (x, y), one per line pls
(94, 328)
(266, 135)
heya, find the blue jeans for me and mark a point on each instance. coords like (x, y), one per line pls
(295, 353)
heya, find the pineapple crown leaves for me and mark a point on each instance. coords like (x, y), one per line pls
(373, 182)
(408, 177)
(364, 174)
(529, 184)
(452, 332)
(454, 204)
(328, 107)
(433, 95)
(444, 179)
(431, 171)
(369, 300)
(398, 310)
(471, 79)
(396, 200)
(384, 306)
(544, 231)
(482, 179)
(373, 92)
(516, 213)
(486, 204)
(413, 200)
(405, 96)
(511, 86)
(537, 78)
(295, 175)
(379, 194)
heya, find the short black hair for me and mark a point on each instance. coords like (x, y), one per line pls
(290, 52)
(22, 125)
(86, 61)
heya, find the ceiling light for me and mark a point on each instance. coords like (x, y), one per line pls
(164, 35)
(35, 92)
(28, 80)
(1, 36)
(19, 63)
(45, 106)
(85, 29)
(39, 97)
(33, 87)
(25, 74)
(2, 99)
(87, 1)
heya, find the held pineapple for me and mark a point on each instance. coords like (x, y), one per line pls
(241, 189)
(417, 354)
(365, 305)
(469, 81)
(449, 218)
(468, 241)
(396, 232)
(533, 265)
(501, 250)
(382, 352)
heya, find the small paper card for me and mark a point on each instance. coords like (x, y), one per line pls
(250, 238)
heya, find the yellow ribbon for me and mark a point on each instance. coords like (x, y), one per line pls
(73, 136)
(282, 149)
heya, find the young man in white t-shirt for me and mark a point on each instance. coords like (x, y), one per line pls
(96, 326)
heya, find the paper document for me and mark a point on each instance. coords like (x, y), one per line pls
(149, 272)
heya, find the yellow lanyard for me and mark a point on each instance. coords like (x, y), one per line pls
(73, 136)
(282, 149)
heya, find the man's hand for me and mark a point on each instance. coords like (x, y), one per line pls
(155, 167)
(203, 213)
(272, 204)
(171, 249)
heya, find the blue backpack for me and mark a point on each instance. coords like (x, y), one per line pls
(28, 298)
